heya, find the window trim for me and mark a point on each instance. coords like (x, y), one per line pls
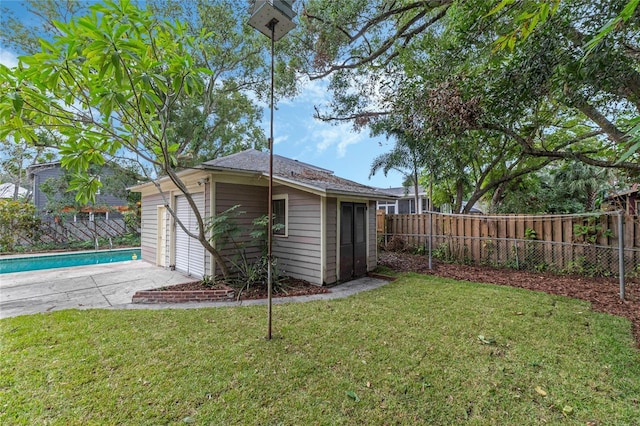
(385, 205)
(285, 197)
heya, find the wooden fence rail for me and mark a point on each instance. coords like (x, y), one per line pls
(558, 242)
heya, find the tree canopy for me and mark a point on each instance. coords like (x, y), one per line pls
(123, 82)
(526, 77)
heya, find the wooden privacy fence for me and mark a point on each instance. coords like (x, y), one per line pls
(588, 244)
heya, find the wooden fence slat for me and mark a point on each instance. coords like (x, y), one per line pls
(486, 239)
(547, 235)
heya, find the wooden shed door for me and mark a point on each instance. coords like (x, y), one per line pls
(353, 240)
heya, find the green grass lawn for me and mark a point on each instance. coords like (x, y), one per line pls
(407, 353)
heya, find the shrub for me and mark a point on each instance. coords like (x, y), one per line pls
(17, 219)
(397, 244)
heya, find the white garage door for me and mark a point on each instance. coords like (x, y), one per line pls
(189, 252)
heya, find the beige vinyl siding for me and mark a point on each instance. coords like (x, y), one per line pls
(331, 216)
(298, 254)
(372, 260)
(252, 201)
(149, 225)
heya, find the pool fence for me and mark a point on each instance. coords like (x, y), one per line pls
(72, 231)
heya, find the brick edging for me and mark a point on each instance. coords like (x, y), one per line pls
(172, 296)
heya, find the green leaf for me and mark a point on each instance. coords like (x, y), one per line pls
(499, 7)
(487, 340)
(352, 395)
(115, 59)
(632, 150)
(628, 10)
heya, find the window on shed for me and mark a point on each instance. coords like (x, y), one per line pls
(280, 217)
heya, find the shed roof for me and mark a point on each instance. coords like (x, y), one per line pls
(289, 170)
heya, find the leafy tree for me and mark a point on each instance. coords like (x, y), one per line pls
(437, 64)
(23, 35)
(223, 119)
(536, 193)
(112, 84)
(16, 158)
(582, 182)
(408, 156)
(568, 187)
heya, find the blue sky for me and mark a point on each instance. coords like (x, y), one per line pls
(299, 136)
(335, 147)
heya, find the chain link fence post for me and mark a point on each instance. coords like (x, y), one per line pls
(621, 251)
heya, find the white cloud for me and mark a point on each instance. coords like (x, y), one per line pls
(340, 137)
(280, 139)
(8, 58)
(313, 93)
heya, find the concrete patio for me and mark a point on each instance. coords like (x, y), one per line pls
(112, 285)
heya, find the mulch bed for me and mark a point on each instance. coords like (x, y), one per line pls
(291, 287)
(603, 293)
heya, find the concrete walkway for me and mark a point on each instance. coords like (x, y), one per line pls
(112, 285)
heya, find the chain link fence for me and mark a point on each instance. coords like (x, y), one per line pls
(539, 256)
(595, 245)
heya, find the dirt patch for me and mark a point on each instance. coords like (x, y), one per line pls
(603, 293)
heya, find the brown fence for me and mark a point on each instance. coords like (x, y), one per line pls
(568, 243)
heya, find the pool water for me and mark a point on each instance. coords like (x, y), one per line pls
(33, 263)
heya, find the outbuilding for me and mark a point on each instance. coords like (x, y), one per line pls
(329, 223)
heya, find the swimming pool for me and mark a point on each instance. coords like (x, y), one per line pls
(65, 260)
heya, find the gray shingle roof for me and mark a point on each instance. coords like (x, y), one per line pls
(290, 170)
(402, 191)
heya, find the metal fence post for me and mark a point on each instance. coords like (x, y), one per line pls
(621, 252)
(430, 240)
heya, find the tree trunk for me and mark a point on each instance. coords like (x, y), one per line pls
(496, 198)
(590, 203)
(459, 195)
(200, 236)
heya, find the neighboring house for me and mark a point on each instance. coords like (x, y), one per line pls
(405, 203)
(475, 209)
(7, 190)
(329, 232)
(628, 200)
(106, 207)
